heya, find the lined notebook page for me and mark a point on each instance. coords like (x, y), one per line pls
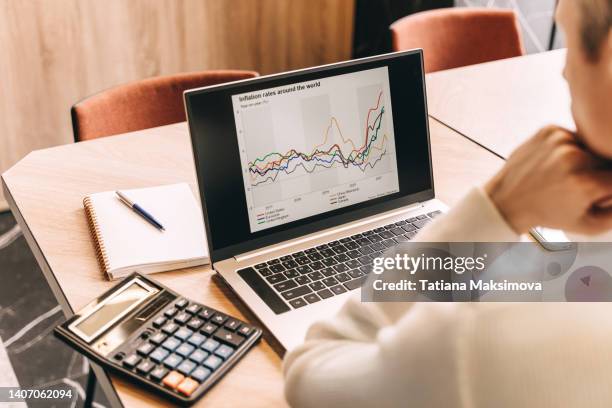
(132, 244)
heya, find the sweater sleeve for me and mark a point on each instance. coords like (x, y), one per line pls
(395, 354)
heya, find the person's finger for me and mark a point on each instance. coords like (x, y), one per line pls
(597, 186)
(599, 220)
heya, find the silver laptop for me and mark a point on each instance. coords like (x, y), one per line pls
(305, 177)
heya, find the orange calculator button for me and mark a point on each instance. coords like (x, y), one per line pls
(173, 379)
(188, 386)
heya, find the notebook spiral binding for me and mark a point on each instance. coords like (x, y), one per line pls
(92, 220)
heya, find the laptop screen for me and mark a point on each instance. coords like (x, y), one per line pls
(282, 156)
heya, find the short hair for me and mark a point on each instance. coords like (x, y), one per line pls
(596, 24)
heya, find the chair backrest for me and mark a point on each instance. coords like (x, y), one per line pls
(142, 104)
(455, 37)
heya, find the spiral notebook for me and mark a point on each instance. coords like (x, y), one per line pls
(126, 243)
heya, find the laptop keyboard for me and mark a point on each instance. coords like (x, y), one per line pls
(305, 277)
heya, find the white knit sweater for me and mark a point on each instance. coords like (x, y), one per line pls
(481, 355)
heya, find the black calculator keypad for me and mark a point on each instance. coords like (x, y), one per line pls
(184, 345)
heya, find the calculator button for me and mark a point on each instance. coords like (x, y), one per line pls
(183, 333)
(219, 318)
(171, 343)
(158, 373)
(131, 361)
(245, 330)
(181, 303)
(173, 379)
(198, 356)
(145, 349)
(158, 338)
(210, 345)
(172, 361)
(195, 323)
(145, 367)
(194, 308)
(182, 318)
(186, 367)
(200, 373)
(260, 265)
(170, 312)
(232, 324)
(206, 313)
(170, 328)
(187, 386)
(119, 356)
(159, 322)
(184, 349)
(213, 362)
(196, 339)
(159, 354)
(224, 351)
(225, 336)
(209, 328)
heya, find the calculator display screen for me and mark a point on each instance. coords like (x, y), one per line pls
(113, 308)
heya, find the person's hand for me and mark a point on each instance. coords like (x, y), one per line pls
(553, 181)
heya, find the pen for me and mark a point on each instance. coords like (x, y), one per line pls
(139, 210)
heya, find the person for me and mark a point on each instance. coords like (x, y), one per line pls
(492, 354)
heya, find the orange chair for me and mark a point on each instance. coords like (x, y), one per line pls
(142, 104)
(455, 37)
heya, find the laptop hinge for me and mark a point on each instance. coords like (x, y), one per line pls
(276, 247)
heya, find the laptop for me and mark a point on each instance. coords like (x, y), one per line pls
(306, 176)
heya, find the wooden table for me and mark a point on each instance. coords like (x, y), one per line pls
(500, 104)
(45, 192)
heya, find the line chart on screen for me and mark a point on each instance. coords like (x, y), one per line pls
(310, 147)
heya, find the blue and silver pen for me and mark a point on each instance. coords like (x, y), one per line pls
(139, 210)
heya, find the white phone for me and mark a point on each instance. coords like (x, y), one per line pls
(551, 239)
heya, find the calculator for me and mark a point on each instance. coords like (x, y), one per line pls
(158, 339)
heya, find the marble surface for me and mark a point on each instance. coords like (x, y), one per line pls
(28, 314)
(535, 17)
